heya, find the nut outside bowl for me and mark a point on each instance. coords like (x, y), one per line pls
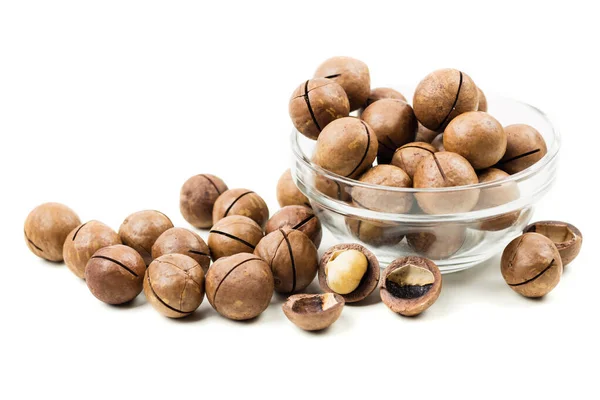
(335, 209)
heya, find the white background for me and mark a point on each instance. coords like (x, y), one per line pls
(110, 106)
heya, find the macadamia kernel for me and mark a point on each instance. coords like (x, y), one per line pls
(345, 270)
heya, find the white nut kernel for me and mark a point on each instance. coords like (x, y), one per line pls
(345, 269)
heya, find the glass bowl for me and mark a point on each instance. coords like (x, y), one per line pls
(454, 241)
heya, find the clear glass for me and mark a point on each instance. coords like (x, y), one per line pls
(455, 240)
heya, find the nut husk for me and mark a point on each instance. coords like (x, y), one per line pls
(368, 282)
(182, 241)
(232, 235)
(141, 229)
(531, 265)
(115, 274)
(566, 237)
(351, 74)
(239, 287)
(300, 218)
(174, 285)
(313, 312)
(197, 199)
(47, 227)
(241, 202)
(83, 241)
(525, 146)
(410, 285)
(288, 193)
(410, 155)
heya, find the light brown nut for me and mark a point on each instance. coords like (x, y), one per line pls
(182, 241)
(141, 229)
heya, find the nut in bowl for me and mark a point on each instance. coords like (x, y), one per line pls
(487, 210)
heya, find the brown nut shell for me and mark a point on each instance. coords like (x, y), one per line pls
(351, 74)
(141, 229)
(288, 193)
(47, 227)
(83, 241)
(347, 147)
(197, 199)
(394, 124)
(115, 274)
(375, 232)
(381, 199)
(232, 235)
(313, 312)
(292, 257)
(497, 196)
(368, 282)
(482, 106)
(410, 285)
(383, 93)
(300, 218)
(566, 237)
(438, 142)
(531, 265)
(174, 285)
(410, 155)
(525, 146)
(315, 103)
(241, 202)
(443, 95)
(239, 287)
(182, 241)
(425, 134)
(440, 243)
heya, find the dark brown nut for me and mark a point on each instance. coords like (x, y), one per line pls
(300, 218)
(478, 137)
(288, 193)
(315, 103)
(384, 200)
(115, 274)
(182, 241)
(531, 265)
(83, 241)
(410, 285)
(394, 124)
(375, 233)
(351, 74)
(383, 93)
(233, 235)
(46, 229)
(347, 147)
(497, 196)
(241, 202)
(197, 199)
(313, 312)
(443, 95)
(239, 287)
(482, 101)
(174, 285)
(425, 134)
(292, 257)
(410, 155)
(141, 229)
(438, 142)
(349, 270)
(440, 243)
(525, 146)
(566, 237)
(444, 170)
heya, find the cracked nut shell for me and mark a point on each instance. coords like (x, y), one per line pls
(174, 285)
(351, 74)
(394, 124)
(410, 155)
(347, 147)
(83, 241)
(300, 218)
(115, 274)
(313, 312)
(531, 265)
(47, 227)
(239, 287)
(315, 103)
(141, 229)
(241, 202)
(525, 146)
(292, 257)
(384, 200)
(182, 241)
(369, 280)
(197, 199)
(410, 285)
(442, 95)
(288, 193)
(566, 237)
(233, 235)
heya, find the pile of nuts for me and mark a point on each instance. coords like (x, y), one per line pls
(254, 256)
